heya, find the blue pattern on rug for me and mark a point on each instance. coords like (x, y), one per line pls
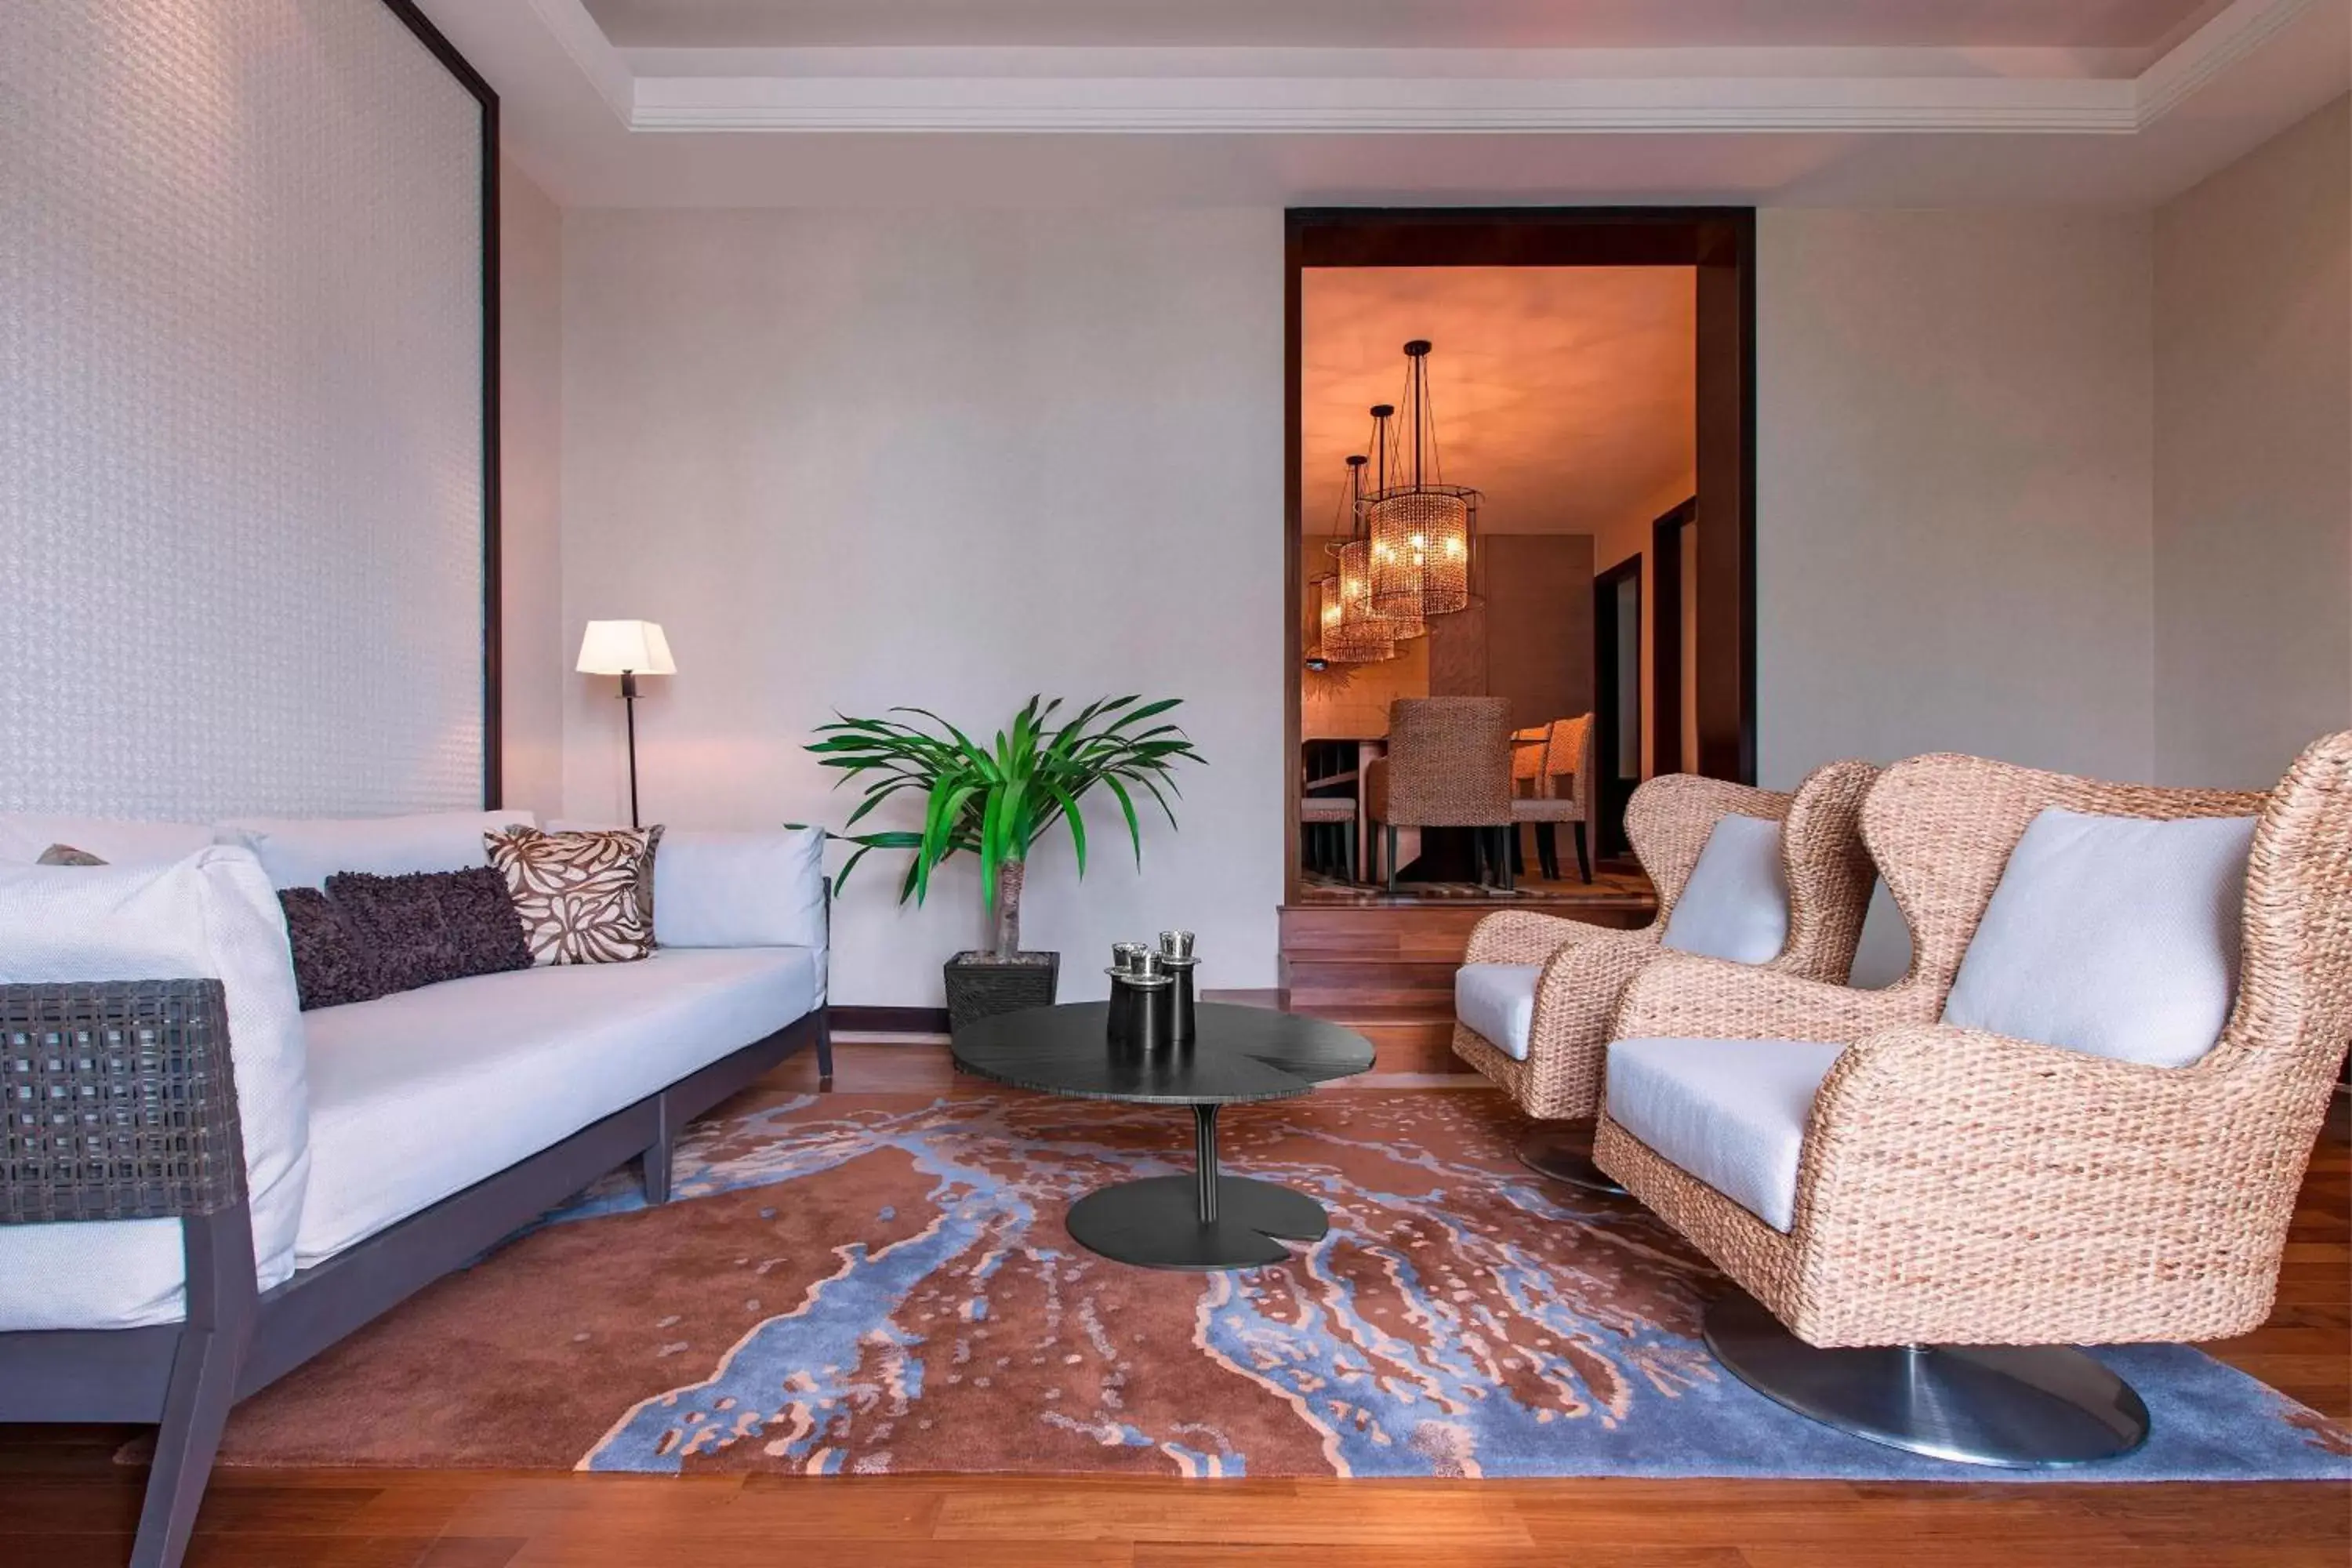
(1460, 1317)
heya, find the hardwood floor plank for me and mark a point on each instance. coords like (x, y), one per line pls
(1435, 1517)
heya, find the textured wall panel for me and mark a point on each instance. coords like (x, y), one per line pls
(241, 467)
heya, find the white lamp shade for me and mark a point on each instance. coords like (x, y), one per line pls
(619, 647)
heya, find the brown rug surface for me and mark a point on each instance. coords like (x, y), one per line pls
(877, 1283)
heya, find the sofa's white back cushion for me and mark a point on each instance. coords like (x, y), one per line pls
(737, 890)
(23, 835)
(1736, 905)
(1497, 1002)
(212, 914)
(2113, 935)
(303, 852)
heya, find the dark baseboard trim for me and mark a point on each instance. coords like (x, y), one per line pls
(890, 1020)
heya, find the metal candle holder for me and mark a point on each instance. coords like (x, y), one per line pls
(1176, 956)
(1142, 994)
(1150, 994)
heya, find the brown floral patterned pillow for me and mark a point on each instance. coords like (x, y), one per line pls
(585, 898)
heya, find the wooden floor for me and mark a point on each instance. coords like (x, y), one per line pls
(64, 1504)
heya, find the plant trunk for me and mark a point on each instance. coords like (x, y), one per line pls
(1006, 940)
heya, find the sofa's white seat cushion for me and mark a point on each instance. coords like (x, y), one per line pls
(1730, 1112)
(1736, 904)
(210, 915)
(736, 890)
(303, 852)
(421, 1094)
(23, 835)
(1497, 1002)
(2113, 935)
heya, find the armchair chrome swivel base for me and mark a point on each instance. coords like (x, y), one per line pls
(1564, 1152)
(2021, 1407)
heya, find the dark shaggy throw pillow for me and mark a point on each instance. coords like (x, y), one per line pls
(331, 966)
(431, 926)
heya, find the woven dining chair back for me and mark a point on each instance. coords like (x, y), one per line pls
(1569, 760)
(1449, 762)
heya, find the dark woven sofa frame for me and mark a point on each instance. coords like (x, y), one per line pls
(120, 1104)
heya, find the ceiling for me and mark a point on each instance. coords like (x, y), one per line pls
(1567, 394)
(1397, 24)
(1269, 104)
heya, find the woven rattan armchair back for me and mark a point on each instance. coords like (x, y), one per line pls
(1941, 829)
(1830, 873)
(1448, 763)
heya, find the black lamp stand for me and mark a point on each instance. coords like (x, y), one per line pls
(629, 697)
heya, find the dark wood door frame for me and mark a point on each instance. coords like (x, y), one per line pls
(1664, 610)
(1720, 243)
(1608, 793)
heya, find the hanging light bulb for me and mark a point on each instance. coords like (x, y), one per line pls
(1419, 527)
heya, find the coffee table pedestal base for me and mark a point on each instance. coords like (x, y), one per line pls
(1203, 1221)
(1157, 1223)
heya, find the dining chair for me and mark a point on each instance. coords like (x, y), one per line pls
(1448, 764)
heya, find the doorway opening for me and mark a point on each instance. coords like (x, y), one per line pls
(1589, 374)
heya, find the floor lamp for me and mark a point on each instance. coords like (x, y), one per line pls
(628, 649)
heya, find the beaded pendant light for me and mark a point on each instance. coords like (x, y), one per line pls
(1356, 555)
(1421, 527)
(1343, 641)
(1348, 632)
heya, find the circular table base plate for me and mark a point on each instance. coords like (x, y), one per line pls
(2014, 1406)
(1155, 1223)
(1566, 1157)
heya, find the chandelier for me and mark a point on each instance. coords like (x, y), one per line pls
(1344, 641)
(1349, 633)
(1356, 555)
(1420, 527)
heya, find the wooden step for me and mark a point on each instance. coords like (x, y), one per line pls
(1392, 956)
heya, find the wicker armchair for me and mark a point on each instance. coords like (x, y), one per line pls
(1448, 765)
(1586, 968)
(1954, 1188)
(1567, 753)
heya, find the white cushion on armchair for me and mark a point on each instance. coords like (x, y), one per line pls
(1736, 904)
(1497, 1002)
(1730, 1112)
(2114, 935)
(212, 914)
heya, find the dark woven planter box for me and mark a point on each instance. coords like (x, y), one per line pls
(980, 988)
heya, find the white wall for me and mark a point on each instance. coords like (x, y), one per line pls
(241, 465)
(1955, 528)
(852, 459)
(530, 575)
(2253, 459)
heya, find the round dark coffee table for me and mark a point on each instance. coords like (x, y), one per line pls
(1206, 1220)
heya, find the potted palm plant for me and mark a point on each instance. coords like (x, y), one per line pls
(997, 802)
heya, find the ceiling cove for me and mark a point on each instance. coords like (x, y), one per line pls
(2089, 67)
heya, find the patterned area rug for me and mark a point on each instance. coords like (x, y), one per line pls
(876, 1283)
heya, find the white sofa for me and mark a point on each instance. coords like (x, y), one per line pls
(383, 1142)
(357, 1118)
